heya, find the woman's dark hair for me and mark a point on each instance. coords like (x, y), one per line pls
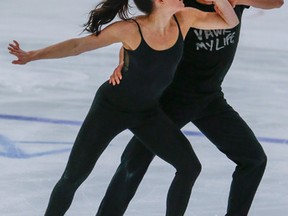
(106, 11)
(145, 6)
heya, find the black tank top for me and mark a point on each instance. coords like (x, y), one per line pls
(146, 74)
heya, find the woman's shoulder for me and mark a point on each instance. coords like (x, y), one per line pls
(126, 25)
(127, 29)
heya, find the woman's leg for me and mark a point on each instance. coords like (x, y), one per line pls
(93, 137)
(163, 138)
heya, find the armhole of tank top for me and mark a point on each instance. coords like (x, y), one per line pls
(126, 61)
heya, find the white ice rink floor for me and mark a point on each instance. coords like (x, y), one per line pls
(42, 105)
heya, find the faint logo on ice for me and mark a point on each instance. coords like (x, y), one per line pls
(29, 149)
(11, 149)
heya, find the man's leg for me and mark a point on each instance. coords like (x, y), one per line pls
(134, 163)
(229, 132)
(161, 136)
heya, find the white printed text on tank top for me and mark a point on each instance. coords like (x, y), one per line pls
(214, 40)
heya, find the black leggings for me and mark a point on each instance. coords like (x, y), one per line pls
(154, 129)
(231, 135)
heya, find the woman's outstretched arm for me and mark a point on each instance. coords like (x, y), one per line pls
(112, 34)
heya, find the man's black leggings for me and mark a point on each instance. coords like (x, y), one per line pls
(226, 129)
(153, 128)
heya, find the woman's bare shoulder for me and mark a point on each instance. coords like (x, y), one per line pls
(128, 26)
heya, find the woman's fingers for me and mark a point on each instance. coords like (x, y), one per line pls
(16, 43)
(11, 50)
(14, 49)
(18, 61)
(12, 46)
(17, 53)
(15, 46)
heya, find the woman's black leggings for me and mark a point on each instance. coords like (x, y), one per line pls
(156, 131)
(226, 129)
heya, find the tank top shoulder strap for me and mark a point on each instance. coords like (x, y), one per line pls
(139, 28)
(180, 32)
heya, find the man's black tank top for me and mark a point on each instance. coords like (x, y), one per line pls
(146, 74)
(207, 56)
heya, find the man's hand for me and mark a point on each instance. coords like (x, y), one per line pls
(233, 3)
(263, 4)
(116, 75)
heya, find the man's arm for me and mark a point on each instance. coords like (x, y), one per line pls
(263, 4)
(116, 75)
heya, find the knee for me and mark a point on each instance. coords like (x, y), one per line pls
(255, 160)
(196, 168)
(261, 160)
(191, 169)
(68, 181)
(134, 166)
(139, 161)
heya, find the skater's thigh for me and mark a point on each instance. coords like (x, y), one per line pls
(230, 133)
(161, 136)
(96, 132)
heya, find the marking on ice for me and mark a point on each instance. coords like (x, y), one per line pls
(12, 149)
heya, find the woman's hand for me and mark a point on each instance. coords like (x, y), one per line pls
(116, 75)
(14, 49)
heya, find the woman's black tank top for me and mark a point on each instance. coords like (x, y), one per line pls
(145, 75)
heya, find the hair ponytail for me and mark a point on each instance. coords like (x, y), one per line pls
(104, 13)
(146, 6)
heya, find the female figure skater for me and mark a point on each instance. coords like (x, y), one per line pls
(153, 47)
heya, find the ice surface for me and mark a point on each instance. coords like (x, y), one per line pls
(43, 104)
